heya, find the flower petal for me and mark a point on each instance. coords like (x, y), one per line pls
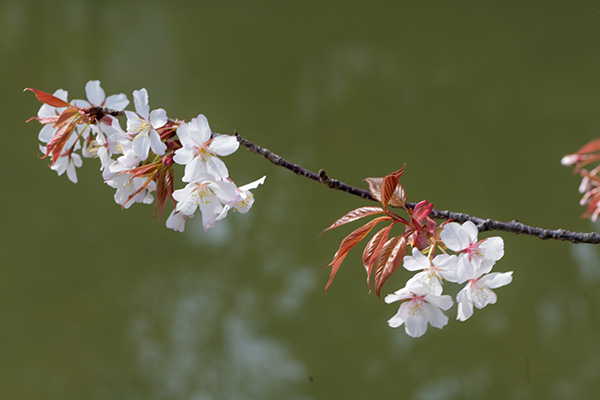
(158, 118)
(427, 279)
(471, 231)
(396, 320)
(95, 93)
(454, 237)
(417, 261)
(253, 185)
(435, 316)
(176, 221)
(203, 132)
(158, 147)
(140, 98)
(496, 279)
(71, 173)
(492, 248)
(184, 135)
(398, 295)
(415, 325)
(216, 167)
(183, 156)
(224, 145)
(116, 102)
(444, 302)
(465, 306)
(141, 146)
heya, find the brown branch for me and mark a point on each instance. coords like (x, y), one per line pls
(482, 223)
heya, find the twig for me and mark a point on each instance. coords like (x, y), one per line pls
(482, 223)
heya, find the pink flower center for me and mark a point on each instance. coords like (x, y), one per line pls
(416, 305)
(473, 250)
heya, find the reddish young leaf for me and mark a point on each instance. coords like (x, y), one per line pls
(46, 120)
(144, 170)
(66, 116)
(389, 184)
(398, 198)
(422, 210)
(164, 189)
(388, 187)
(132, 195)
(49, 99)
(388, 261)
(375, 187)
(372, 246)
(387, 190)
(348, 243)
(373, 249)
(56, 145)
(590, 147)
(354, 215)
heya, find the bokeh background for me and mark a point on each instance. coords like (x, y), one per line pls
(480, 99)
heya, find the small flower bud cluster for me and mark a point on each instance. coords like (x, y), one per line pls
(590, 183)
(137, 162)
(422, 298)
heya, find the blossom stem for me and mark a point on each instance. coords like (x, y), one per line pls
(483, 224)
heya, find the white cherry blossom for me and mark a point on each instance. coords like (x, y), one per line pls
(127, 185)
(420, 307)
(210, 195)
(442, 267)
(143, 125)
(247, 199)
(478, 291)
(199, 152)
(463, 240)
(128, 160)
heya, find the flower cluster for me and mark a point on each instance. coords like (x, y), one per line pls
(472, 262)
(462, 258)
(138, 162)
(590, 183)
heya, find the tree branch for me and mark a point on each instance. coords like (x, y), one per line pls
(482, 224)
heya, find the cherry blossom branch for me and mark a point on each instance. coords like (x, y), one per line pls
(483, 224)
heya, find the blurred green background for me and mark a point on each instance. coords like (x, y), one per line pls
(480, 99)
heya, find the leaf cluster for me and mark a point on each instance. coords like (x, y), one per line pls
(384, 254)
